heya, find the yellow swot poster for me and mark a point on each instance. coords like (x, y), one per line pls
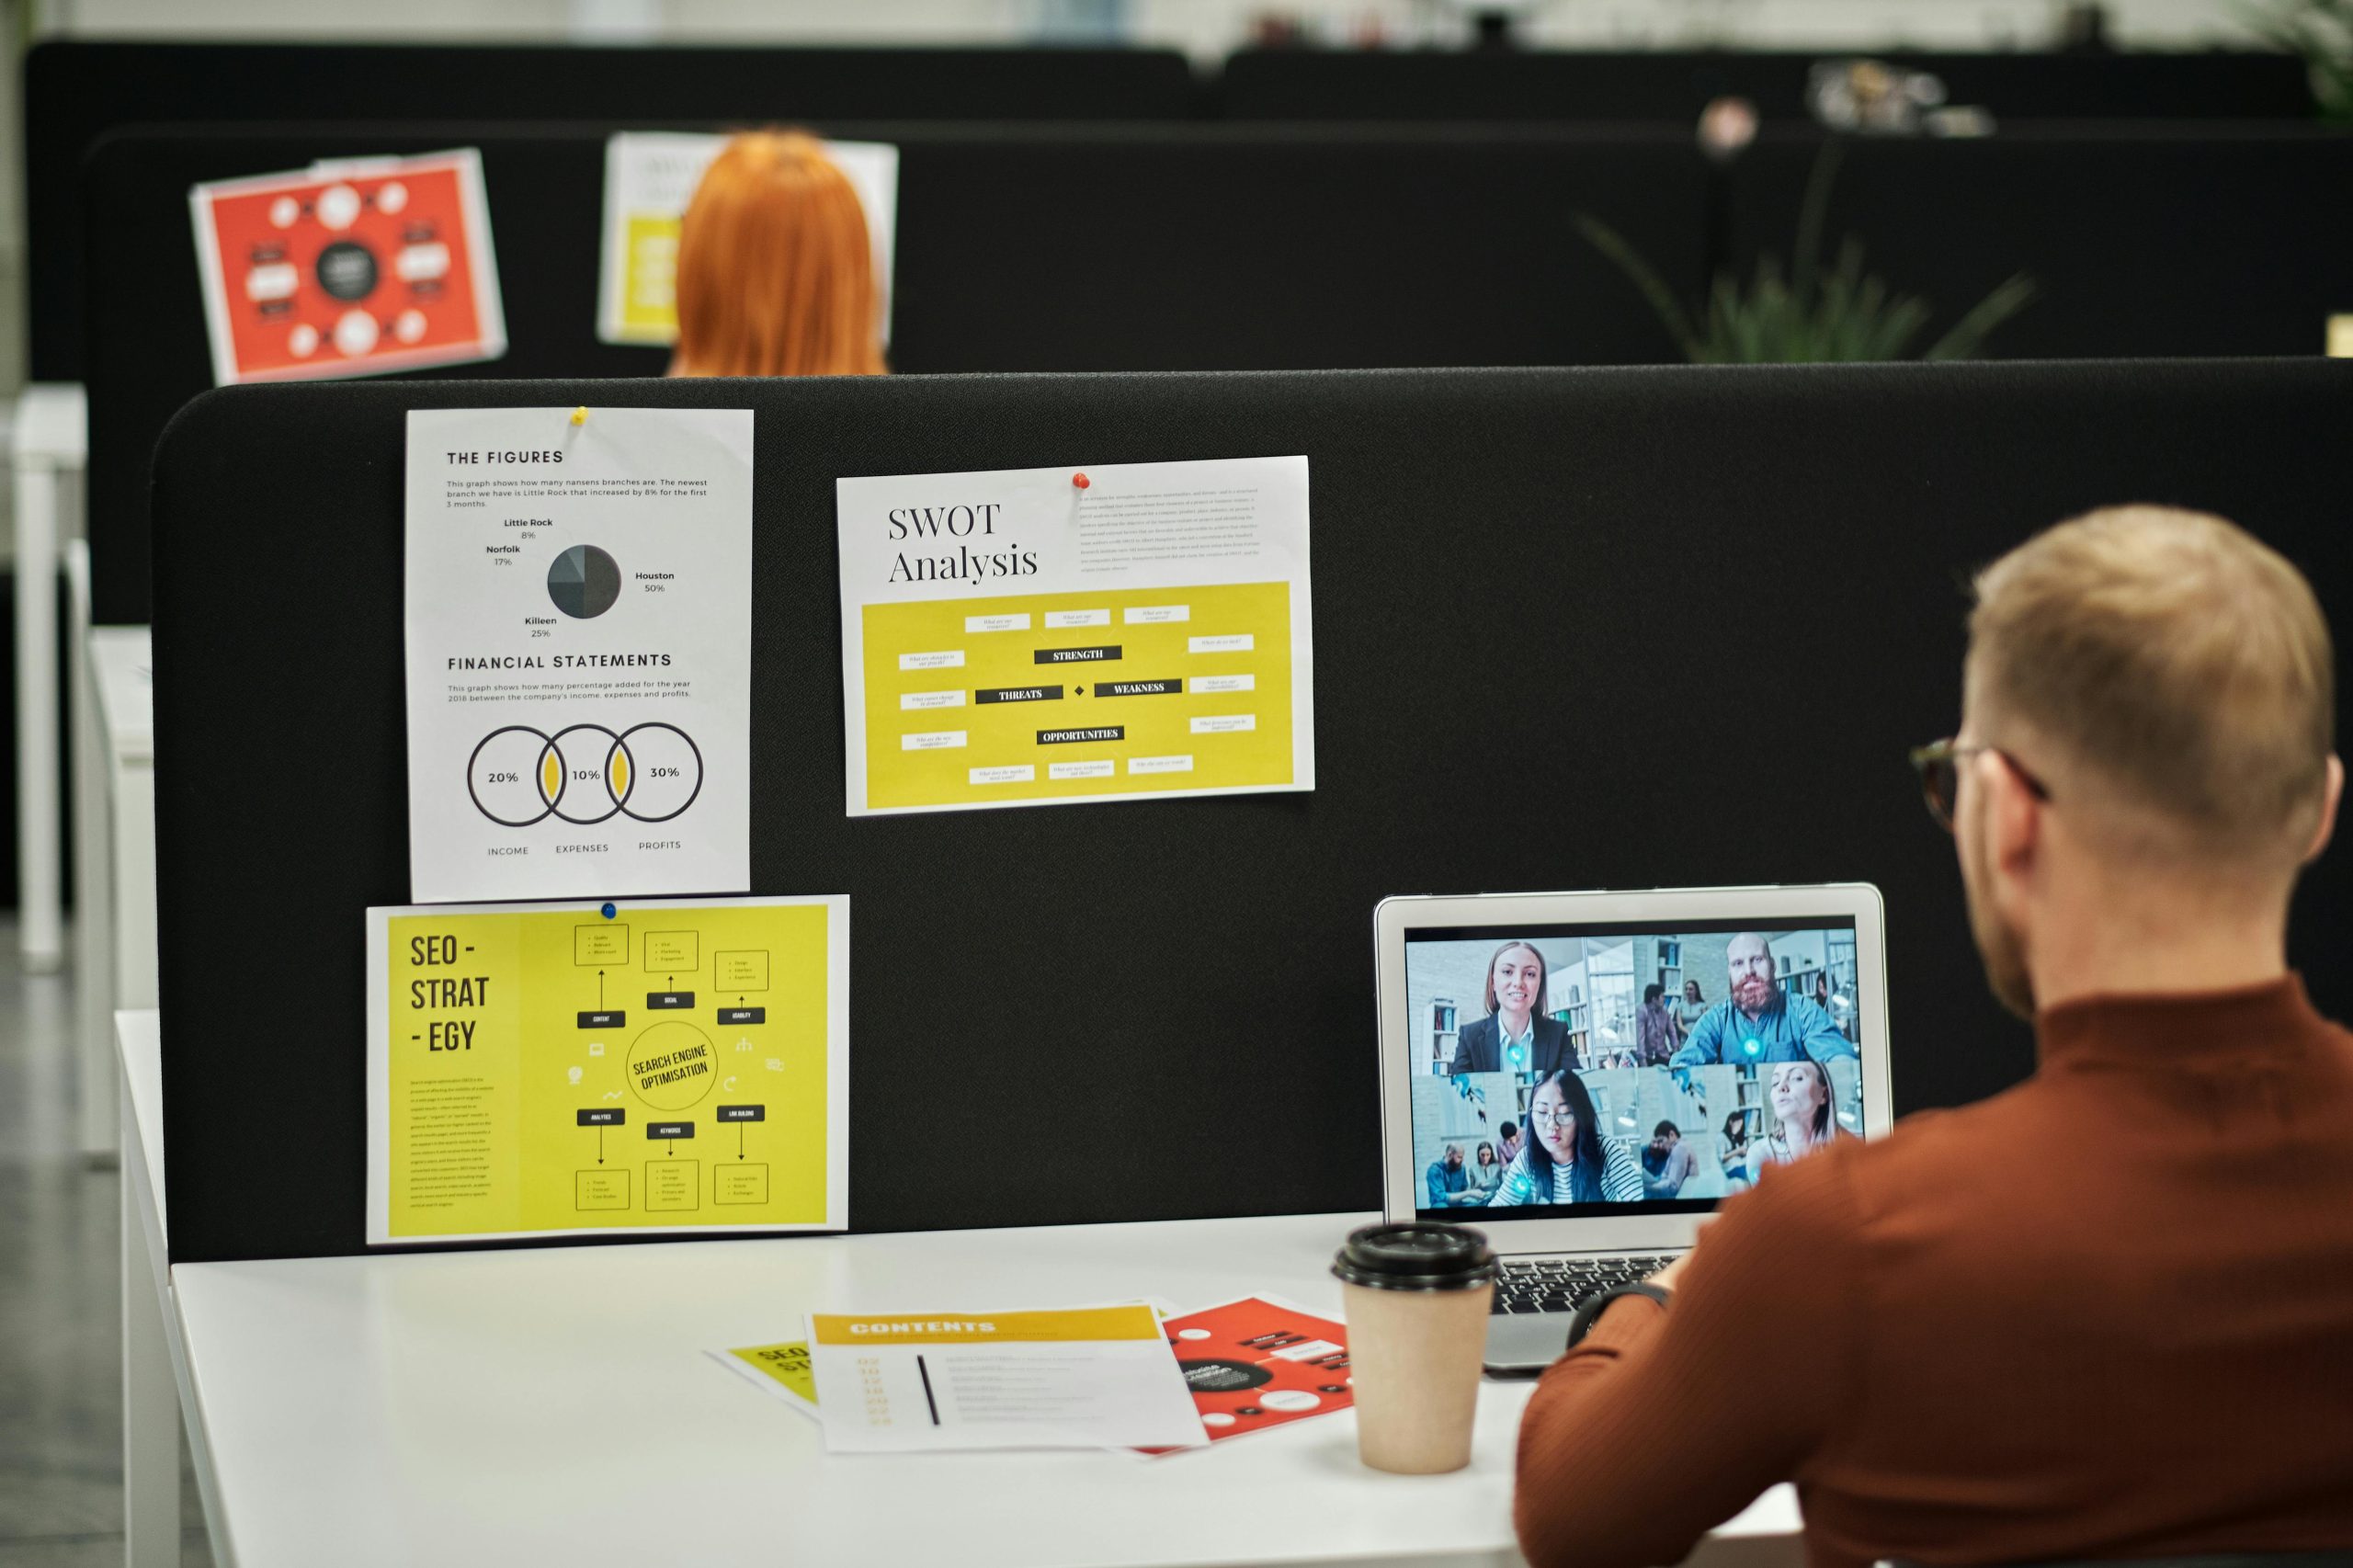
(645, 1066)
(1050, 636)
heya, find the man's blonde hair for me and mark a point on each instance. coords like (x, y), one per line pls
(2183, 662)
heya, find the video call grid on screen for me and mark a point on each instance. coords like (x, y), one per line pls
(1742, 1080)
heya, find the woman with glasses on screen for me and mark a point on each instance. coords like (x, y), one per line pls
(1566, 1159)
(1805, 1115)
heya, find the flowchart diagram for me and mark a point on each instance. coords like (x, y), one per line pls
(1028, 637)
(672, 1066)
(1068, 695)
(658, 1065)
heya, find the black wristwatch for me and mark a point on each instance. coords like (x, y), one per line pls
(1583, 1321)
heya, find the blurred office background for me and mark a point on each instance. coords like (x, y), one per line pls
(1207, 31)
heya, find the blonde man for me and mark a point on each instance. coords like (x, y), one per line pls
(2108, 1313)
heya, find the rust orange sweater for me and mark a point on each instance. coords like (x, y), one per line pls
(2106, 1314)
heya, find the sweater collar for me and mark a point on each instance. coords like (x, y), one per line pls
(2161, 1027)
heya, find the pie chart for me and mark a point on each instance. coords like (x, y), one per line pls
(583, 582)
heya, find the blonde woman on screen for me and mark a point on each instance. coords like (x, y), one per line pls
(776, 269)
(1515, 1036)
(1805, 1115)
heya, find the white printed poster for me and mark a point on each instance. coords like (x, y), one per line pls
(579, 619)
(1047, 636)
(650, 175)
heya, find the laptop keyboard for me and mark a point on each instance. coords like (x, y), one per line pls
(1558, 1284)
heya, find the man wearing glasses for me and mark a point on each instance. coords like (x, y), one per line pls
(2108, 1313)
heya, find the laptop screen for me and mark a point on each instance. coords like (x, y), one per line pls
(1569, 1071)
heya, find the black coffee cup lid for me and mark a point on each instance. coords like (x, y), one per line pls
(1423, 1256)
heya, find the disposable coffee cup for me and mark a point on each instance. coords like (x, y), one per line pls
(1416, 1298)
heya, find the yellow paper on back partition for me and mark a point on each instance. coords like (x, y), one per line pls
(538, 1069)
(649, 277)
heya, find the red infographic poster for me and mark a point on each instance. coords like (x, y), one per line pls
(1254, 1364)
(348, 268)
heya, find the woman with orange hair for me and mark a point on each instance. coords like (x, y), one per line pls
(776, 273)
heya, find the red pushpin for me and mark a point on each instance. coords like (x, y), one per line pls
(1079, 482)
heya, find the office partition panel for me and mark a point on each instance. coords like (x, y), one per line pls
(1673, 85)
(2142, 242)
(76, 90)
(1574, 628)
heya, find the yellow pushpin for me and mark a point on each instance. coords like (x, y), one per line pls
(580, 415)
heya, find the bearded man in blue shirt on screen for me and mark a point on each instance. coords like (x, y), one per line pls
(1757, 1022)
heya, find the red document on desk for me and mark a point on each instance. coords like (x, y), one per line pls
(1257, 1363)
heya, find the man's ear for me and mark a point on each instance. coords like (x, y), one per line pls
(2331, 793)
(2013, 817)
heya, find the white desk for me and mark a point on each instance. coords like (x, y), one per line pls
(555, 1405)
(155, 1386)
(114, 844)
(50, 446)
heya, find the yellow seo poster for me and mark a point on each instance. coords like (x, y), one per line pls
(655, 1065)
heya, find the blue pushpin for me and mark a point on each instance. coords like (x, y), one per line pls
(608, 911)
(1754, 1047)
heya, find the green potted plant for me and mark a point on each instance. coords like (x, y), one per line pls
(1811, 313)
(2322, 32)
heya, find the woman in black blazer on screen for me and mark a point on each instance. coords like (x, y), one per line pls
(1515, 1036)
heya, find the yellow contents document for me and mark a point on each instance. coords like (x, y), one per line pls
(1085, 1377)
(650, 1066)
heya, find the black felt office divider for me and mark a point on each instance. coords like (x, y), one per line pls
(1664, 84)
(1044, 249)
(1098, 248)
(75, 91)
(1574, 628)
(2144, 242)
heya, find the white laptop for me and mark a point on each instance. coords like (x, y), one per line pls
(1584, 1076)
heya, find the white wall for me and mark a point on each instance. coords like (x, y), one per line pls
(1207, 28)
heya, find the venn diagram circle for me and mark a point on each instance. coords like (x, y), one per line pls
(584, 775)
